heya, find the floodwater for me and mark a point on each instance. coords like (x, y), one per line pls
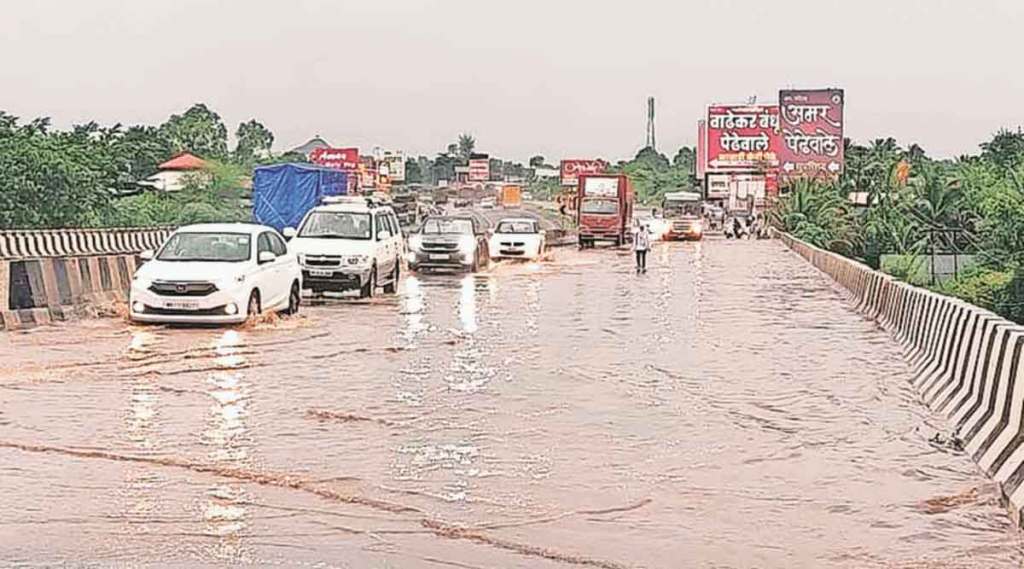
(728, 409)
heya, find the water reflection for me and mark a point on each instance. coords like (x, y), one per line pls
(226, 435)
(413, 304)
(467, 304)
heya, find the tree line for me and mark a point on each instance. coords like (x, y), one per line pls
(911, 206)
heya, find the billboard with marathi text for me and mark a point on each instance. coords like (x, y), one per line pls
(479, 168)
(812, 133)
(742, 138)
(339, 158)
(571, 169)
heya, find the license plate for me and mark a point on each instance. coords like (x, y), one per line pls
(320, 273)
(182, 305)
(437, 257)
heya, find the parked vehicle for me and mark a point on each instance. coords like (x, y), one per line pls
(683, 210)
(448, 242)
(488, 203)
(605, 208)
(406, 208)
(348, 244)
(517, 238)
(216, 273)
(511, 196)
(282, 194)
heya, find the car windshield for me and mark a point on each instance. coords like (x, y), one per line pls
(516, 227)
(212, 247)
(599, 206)
(443, 226)
(336, 225)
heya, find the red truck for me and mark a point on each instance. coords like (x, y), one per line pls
(604, 208)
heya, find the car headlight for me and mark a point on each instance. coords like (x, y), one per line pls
(301, 258)
(416, 242)
(230, 282)
(357, 260)
(698, 227)
(467, 244)
(141, 282)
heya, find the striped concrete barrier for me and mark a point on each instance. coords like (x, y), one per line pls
(48, 275)
(967, 362)
(33, 244)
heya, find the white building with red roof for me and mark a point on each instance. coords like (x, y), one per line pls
(172, 175)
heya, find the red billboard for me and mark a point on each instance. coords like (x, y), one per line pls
(742, 138)
(340, 158)
(571, 170)
(812, 133)
(479, 168)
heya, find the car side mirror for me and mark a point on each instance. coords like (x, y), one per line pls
(266, 257)
(289, 232)
(147, 255)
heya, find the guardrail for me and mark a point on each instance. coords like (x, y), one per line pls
(967, 363)
(44, 243)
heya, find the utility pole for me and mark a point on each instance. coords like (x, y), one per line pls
(651, 140)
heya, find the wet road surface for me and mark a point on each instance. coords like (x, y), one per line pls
(727, 410)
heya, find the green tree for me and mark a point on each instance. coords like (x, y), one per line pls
(536, 161)
(53, 179)
(413, 173)
(467, 144)
(254, 141)
(199, 131)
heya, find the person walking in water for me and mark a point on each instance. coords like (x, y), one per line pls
(641, 244)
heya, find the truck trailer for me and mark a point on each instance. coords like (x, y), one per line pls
(283, 193)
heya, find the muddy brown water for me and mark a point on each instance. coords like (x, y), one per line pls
(728, 409)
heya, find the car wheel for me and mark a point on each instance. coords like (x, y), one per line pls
(371, 285)
(392, 287)
(294, 299)
(254, 308)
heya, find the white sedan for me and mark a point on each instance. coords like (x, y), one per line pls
(214, 274)
(518, 239)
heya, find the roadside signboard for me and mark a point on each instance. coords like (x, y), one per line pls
(571, 169)
(742, 138)
(479, 168)
(338, 158)
(394, 163)
(812, 133)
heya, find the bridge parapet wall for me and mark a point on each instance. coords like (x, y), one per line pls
(967, 362)
(50, 275)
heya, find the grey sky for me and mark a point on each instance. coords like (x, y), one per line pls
(556, 77)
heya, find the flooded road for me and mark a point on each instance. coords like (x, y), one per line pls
(727, 410)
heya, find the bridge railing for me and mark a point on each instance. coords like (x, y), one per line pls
(45, 243)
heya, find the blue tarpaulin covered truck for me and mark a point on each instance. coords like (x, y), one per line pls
(283, 193)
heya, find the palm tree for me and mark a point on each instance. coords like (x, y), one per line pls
(466, 145)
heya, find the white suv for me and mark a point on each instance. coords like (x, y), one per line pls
(349, 243)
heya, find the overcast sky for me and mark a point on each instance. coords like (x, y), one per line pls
(563, 78)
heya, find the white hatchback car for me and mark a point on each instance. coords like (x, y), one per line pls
(216, 273)
(518, 238)
(350, 243)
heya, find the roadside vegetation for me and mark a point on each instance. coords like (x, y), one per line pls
(912, 206)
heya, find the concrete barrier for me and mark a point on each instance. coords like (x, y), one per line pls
(967, 362)
(50, 275)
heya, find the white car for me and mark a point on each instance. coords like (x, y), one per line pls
(349, 244)
(518, 238)
(488, 203)
(216, 273)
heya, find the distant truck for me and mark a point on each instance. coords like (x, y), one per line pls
(510, 196)
(282, 194)
(604, 208)
(682, 213)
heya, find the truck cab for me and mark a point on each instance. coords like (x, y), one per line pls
(682, 213)
(605, 209)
